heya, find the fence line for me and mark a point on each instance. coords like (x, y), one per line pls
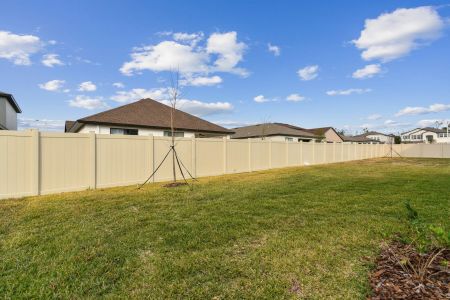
(34, 163)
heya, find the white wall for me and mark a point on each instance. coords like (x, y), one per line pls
(281, 138)
(102, 129)
(11, 117)
(8, 116)
(382, 138)
(424, 133)
(2, 112)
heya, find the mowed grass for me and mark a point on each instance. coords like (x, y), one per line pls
(308, 232)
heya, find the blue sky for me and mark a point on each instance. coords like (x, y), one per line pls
(384, 65)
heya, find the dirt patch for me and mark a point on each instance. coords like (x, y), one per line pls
(174, 184)
(403, 273)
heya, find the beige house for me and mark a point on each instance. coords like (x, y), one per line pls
(328, 134)
(380, 137)
(8, 112)
(274, 132)
(146, 117)
(358, 139)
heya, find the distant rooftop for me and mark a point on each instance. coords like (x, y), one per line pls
(271, 129)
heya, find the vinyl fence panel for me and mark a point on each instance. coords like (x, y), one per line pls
(33, 163)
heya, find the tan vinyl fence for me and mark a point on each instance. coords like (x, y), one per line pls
(421, 150)
(34, 163)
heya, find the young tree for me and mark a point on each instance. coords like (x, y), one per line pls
(174, 94)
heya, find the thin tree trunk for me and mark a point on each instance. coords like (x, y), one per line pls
(173, 144)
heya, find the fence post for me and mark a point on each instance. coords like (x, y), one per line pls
(334, 152)
(313, 152)
(153, 157)
(35, 161)
(342, 151)
(301, 153)
(324, 152)
(93, 160)
(270, 154)
(194, 156)
(287, 153)
(249, 154)
(224, 139)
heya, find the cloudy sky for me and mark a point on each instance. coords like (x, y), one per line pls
(382, 65)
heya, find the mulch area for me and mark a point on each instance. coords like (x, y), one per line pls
(403, 273)
(174, 184)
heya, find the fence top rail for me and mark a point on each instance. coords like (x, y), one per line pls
(26, 133)
(64, 135)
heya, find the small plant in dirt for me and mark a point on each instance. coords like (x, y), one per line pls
(416, 266)
(422, 235)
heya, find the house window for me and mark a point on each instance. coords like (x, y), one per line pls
(288, 139)
(124, 131)
(175, 133)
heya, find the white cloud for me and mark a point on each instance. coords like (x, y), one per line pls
(261, 99)
(274, 49)
(200, 108)
(433, 122)
(118, 85)
(418, 110)
(308, 72)
(18, 48)
(189, 59)
(230, 52)
(166, 56)
(388, 124)
(232, 124)
(347, 92)
(201, 80)
(295, 98)
(195, 107)
(86, 102)
(137, 94)
(190, 38)
(393, 35)
(367, 72)
(51, 60)
(87, 86)
(41, 124)
(52, 85)
(374, 117)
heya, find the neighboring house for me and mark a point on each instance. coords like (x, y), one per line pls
(380, 137)
(427, 135)
(274, 132)
(358, 139)
(328, 134)
(146, 117)
(8, 112)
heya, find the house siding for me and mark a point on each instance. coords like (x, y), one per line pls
(331, 136)
(8, 116)
(102, 129)
(382, 138)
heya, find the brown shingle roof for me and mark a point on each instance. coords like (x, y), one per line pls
(151, 114)
(270, 129)
(320, 131)
(68, 125)
(357, 139)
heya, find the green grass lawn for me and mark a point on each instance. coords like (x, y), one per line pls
(309, 232)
